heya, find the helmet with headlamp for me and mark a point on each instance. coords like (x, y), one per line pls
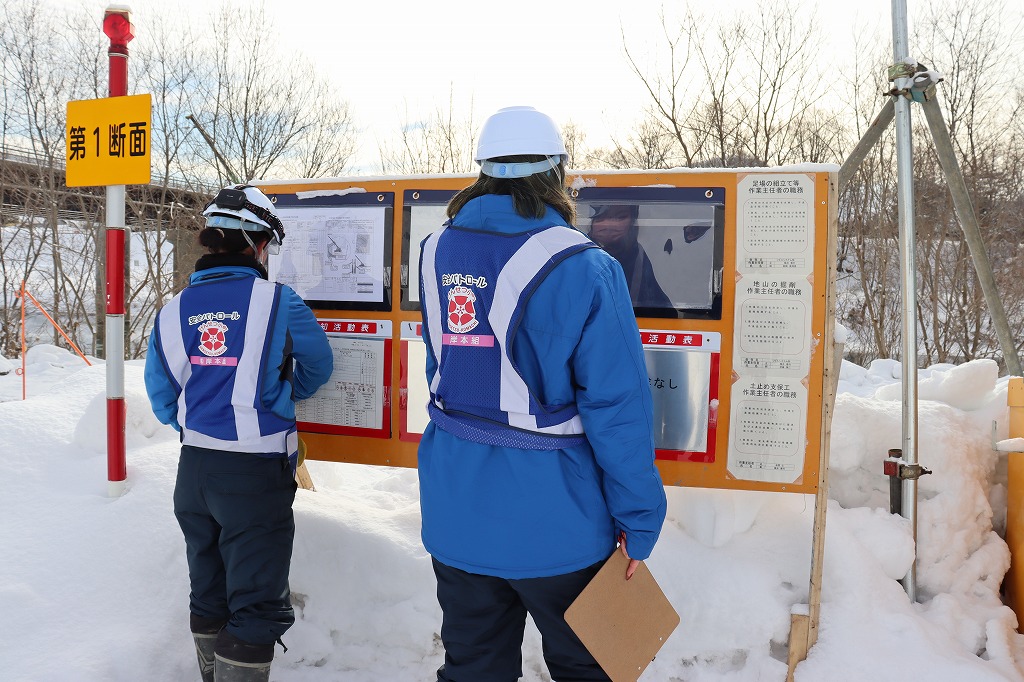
(243, 207)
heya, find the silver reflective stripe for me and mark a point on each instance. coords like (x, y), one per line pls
(244, 396)
(529, 422)
(432, 303)
(292, 442)
(273, 442)
(517, 273)
(174, 350)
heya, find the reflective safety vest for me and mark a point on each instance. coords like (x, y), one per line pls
(214, 337)
(475, 287)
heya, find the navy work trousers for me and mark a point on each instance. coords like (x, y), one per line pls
(484, 620)
(235, 510)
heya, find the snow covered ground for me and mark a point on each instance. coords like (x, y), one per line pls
(96, 590)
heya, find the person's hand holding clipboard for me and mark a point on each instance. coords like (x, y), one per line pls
(622, 616)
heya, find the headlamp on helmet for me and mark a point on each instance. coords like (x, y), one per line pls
(243, 207)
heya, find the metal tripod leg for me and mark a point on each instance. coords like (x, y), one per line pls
(972, 231)
(961, 203)
(871, 137)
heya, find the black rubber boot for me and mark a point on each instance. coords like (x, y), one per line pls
(238, 661)
(204, 652)
(204, 634)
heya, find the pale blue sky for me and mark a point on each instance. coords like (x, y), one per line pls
(397, 61)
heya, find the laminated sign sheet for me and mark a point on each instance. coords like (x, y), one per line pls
(772, 327)
(682, 370)
(333, 253)
(355, 399)
(414, 394)
(423, 221)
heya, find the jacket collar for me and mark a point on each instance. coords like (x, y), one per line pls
(229, 260)
(494, 212)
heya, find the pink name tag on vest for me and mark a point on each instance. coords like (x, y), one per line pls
(213, 362)
(468, 340)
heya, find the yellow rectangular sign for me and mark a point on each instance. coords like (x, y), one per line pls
(108, 141)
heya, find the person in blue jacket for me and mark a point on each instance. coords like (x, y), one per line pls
(539, 454)
(614, 228)
(228, 357)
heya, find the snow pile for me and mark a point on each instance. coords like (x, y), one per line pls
(45, 365)
(97, 588)
(962, 559)
(1011, 445)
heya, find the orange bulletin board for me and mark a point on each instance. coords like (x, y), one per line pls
(735, 325)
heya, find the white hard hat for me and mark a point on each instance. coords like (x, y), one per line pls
(245, 208)
(519, 130)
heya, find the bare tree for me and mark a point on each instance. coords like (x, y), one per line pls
(672, 94)
(266, 111)
(733, 87)
(966, 42)
(575, 145)
(47, 62)
(328, 148)
(440, 143)
(779, 86)
(714, 121)
(169, 67)
(648, 146)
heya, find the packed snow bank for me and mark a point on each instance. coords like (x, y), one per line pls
(97, 588)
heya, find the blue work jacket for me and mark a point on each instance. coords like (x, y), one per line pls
(233, 353)
(522, 513)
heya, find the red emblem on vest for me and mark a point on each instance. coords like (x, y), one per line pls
(461, 310)
(211, 338)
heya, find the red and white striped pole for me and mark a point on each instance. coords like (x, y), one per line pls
(118, 27)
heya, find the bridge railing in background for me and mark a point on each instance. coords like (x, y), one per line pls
(16, 154)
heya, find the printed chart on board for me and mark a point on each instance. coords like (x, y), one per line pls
(354, 397)
(773, 334)
(332, 253)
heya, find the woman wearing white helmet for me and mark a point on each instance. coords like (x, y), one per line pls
(228, 358)
(539, 455)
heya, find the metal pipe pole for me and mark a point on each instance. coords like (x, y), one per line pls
(871, 137)
(908, 243)
(24, 346)
(117, 26)
(972, 230)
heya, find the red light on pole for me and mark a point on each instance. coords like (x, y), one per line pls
(117, 25)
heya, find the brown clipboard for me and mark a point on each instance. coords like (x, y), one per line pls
(622, 623)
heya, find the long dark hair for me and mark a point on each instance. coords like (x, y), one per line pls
(530, 195)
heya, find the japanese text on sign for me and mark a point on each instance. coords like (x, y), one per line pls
(349, 327)
(772, 321)
(114, 138)
(108, 141)
(775, 186)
